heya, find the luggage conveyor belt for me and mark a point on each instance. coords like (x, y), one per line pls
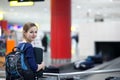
(100, 72)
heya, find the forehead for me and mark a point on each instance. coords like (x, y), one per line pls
(33, 28)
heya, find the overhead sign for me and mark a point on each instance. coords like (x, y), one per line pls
(22, 2)
(15, 3)
(25, 0)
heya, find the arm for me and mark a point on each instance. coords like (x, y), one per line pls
(31, 60)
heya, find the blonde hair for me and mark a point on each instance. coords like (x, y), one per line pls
(27, 26)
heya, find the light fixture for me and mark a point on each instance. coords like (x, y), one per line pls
(1, 15)
(16, 3)
(26, 0)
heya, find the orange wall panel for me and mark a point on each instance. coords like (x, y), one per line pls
(10, 44)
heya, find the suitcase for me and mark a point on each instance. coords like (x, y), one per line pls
(112, 78)
(39, 59)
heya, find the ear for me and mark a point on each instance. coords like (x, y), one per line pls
(24, 32)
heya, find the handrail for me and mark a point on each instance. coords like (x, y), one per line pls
(71, 74)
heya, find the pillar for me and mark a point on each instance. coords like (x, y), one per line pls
(4, 24)
(60, 31)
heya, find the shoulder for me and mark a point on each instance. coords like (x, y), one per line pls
(26, 45)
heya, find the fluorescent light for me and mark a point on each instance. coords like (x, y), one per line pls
(1, 15)
(16, 3)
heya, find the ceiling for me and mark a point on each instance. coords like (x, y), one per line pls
(82, 11)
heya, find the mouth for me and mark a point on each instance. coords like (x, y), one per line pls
(33, 37)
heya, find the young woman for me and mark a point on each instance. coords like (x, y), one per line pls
(29, 34)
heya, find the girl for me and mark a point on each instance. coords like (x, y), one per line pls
(29, 34)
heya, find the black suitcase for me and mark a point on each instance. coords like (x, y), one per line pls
(112, 78)
(39, 59)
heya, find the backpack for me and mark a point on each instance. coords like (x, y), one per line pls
(15, 63)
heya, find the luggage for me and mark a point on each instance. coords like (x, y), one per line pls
(84, 65)
(39, 59)
(112, 78)
(88, 63)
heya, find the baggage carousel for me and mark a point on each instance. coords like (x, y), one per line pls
(109, 70)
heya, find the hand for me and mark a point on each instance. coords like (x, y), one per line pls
(43, 65)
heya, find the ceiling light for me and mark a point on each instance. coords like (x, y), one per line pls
(1, 15)
(16, 3)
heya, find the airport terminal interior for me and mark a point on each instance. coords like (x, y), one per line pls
(81, 37)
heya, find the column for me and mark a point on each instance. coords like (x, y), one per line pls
(60, 31)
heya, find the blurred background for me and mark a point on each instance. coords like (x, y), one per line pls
(94, 27)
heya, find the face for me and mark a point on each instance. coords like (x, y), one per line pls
(31, 34)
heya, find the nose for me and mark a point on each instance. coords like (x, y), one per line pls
(34, 34)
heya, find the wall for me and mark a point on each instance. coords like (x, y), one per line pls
(91, 32)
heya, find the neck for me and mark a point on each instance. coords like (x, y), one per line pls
(24, 40)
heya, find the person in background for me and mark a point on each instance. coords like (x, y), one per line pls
(4, 34)
(45, 42)
(13, 36)
(29, 34)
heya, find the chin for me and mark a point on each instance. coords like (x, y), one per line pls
(32, 39)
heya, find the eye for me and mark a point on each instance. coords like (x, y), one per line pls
(31, 31)
(35, 31)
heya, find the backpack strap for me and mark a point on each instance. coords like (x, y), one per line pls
(24, 66)
(22, 47)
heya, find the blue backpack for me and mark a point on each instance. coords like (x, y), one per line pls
(15, 63)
